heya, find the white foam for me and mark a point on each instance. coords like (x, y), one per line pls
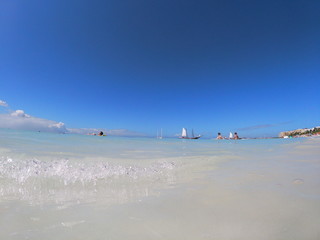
(67, 180)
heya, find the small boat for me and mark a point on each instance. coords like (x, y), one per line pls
(184, 134)
(159, 136)
(230, 135)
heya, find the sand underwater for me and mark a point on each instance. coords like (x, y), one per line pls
(55, 186)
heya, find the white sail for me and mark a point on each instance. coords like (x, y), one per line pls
(230, 135)
(159, 136)
(184, 133)
(192, 133)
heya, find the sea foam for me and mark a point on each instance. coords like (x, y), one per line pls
(69, 180)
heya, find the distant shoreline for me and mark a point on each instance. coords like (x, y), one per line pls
(305, 132)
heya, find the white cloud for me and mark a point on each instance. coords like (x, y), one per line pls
(18, 119)
(3, 103)
(57, 125)
(20, 113)
(22, 121)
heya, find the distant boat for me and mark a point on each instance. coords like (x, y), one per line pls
(230, 135)
(184, 134)
(159, 136)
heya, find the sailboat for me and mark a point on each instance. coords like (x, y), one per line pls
(159, 136)
(230, 135)
(184, 134)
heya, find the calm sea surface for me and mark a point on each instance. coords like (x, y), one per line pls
(63, 186)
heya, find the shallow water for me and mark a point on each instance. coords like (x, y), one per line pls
(55, 186)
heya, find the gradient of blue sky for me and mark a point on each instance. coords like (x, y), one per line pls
(248, 66)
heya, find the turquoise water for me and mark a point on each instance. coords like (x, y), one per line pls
(63, 186)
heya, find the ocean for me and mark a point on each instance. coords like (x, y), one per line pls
(78, 187)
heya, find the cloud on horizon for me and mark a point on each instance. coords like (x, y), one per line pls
(109, 132)
(22, 121)
(19, 120)
(3, 103)
(255, 127)
(125, 132)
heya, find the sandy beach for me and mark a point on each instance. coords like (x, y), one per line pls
(160, 189)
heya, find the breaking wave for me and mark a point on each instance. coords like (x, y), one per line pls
(69, 180)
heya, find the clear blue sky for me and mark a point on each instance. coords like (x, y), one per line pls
(248, 66)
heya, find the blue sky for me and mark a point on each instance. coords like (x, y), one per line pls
(214, 66)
